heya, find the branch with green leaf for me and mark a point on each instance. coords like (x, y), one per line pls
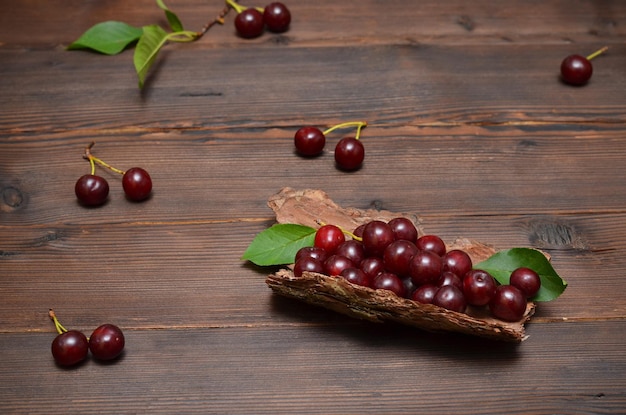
(113, 37)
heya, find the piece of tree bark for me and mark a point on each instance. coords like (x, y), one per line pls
(312, 207)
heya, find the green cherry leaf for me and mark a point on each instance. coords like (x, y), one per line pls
(173, 20)
(501, 264)
(279, 244)
(110, 37)
(151, 41)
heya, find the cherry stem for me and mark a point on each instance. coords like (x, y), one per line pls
(239, 8)
(598, 52)
(219, 19)
(59, 327)
(95, 159)
(358, 124)
(350, 234)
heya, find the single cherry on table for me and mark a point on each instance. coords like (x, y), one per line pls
(577, 69)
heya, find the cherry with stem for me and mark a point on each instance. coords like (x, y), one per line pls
(577, 69)
(136, 181)
(69, 347)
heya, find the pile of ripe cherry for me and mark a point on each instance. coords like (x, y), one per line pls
(391, 256)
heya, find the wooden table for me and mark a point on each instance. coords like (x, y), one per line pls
(468, 126)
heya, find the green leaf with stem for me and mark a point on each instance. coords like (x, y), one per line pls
(279, 244)
(173, 20)
(149, 45)
(110, 37)
(501, 264)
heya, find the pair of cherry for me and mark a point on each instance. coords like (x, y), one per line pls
(252, 21)
(93, 190)
(349, 151)
(71, 347)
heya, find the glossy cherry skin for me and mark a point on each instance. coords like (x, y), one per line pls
(335, 264)
(479, 287)
(450, 278)
(91, 190)
(451, 298)
(309, 141)
(106, 342)
(397, 257)
(353, 250)
(376, 236)
(425, 294)
(70, 348)
(311, 252)
(249, 23)
(307, 264)
(457, 261)
(372, 266)
(349, 153)
(508, 303)
(276, 17)
(425, 268)
(389, 281)
(137, 184)
(329, 237)
(576, 70)
(356, 276)
(403, 228)
(431, 243)
(526, 280)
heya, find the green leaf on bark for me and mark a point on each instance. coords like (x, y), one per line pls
(173, 20)
(151, 41)
(501, 264)
(110, 37)
(279, 244)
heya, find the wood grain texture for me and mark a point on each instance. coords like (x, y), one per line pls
(469, 128)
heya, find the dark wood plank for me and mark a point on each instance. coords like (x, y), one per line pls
(326, 370)
(406, 84)
(328, 22)
(191, 275)
(226, 175)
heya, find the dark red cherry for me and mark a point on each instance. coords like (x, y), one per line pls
(137, 184)
(425, 268)
(389, 281)
(91, 190)
(356, 276)
(431, 243)
(526, 280)
(403, 228)
(309, 141)
(349, 153)
(329, 237)
(425, 294)
(508, 303)
(249, 23)
(106, 342)
(70, 348)
(451, 298)
(307, 264)
(479, 287)
(276, 17)
(576, 70)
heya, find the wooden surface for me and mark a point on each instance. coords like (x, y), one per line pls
(469, 127)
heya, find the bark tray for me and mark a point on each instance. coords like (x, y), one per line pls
(309, 207)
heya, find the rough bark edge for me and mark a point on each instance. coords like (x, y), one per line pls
(310, 207)
(378, 306)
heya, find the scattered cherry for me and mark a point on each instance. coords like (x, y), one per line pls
(70, 348)
(91, 190)
(577, 69)
(309, 141)
(249, 23)
(276, 17)
(349, 151)
(106, 342)
(137, 184)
